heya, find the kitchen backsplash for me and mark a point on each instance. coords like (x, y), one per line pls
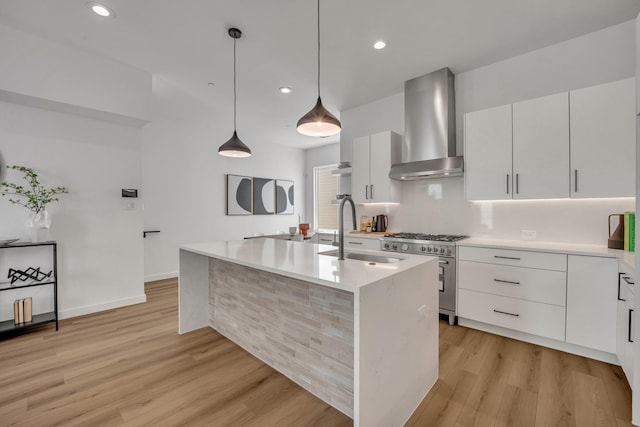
(438, 206)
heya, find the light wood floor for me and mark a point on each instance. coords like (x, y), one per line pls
(130, 367)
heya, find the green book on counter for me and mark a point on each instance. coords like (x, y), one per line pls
(630, 231)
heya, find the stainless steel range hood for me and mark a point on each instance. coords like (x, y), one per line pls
(429, 149)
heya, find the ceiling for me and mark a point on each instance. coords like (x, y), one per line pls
(186, 43)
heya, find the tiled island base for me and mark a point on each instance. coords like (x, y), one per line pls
(303, 330)
(362, 336)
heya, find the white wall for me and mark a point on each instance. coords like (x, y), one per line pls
(76, 117)
(314, 157)
(602, 56)
(100, 244)
(378, 116)
(184, 178)
(39, 72)
(438, 205)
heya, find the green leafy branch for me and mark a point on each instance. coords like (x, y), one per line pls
(32, 196)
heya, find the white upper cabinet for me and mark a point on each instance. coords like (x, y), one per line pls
(575, 144)
(372, 159)
(603, 140)
(488, 142)
(541, 147)
(360, 170)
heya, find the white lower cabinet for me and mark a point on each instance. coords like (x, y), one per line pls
(592, 302)
(516, 258)
(325, 238)
(512, 289)
(627, 364)
(568, 298)
(361, 243)
(529, 284)
(349, 241)
(625, 335)
(545, 320)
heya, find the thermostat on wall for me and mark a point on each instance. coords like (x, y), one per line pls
(129, 192)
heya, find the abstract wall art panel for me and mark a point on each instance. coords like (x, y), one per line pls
(239, 195)
(284, 197)
(263, 196)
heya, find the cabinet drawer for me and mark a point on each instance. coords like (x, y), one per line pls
(325, 238)
(526, 316)
(357, 243)
(544, 260)
(531, 284)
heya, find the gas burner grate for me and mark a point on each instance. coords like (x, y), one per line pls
(430, 237)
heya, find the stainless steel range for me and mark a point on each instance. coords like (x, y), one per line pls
(441, 245)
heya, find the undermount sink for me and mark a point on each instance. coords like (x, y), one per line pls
(363, 257)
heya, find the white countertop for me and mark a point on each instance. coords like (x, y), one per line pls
(302, 261)
(555, 247)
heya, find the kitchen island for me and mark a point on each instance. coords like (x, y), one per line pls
(361, 335)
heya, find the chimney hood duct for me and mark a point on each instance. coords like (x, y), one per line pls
(429, 149)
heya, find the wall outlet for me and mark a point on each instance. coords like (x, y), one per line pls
(129, 205)
(529, 234)
(422, 312)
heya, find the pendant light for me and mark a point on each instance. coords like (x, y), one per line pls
(234, 147)
(319, 121)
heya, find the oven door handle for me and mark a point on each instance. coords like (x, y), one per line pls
(444, 261)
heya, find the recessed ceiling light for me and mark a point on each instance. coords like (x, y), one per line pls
(100, 9)
(211, 84)
(285, 89)
(379, 45)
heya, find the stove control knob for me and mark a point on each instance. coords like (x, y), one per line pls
(429, 249)
(448, 251)
(441, 250)
(395, 246)
(405, 247)
(423, 248)
(386, 246)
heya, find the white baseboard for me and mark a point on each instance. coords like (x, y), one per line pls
(543, 341)
(161, 276)
(88, 309)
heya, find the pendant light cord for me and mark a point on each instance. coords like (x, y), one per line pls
(318, 48)
(234, 85)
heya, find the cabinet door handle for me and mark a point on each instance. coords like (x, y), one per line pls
(325, 240)
(354, 243)
(371, 192)
(506, 281)
(629, 281)
(620, 277)
(629, 334)
(507, 183)
(507, 313)
(506, 257)
(366, 192)
(575, 180)
(517, 183)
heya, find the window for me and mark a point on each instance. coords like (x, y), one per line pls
(325, 188)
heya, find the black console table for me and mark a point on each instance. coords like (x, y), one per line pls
(38, 319)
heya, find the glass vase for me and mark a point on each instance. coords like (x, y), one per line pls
(38, 225)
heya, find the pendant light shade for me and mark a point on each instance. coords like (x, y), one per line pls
(234, 147)
(319, 121)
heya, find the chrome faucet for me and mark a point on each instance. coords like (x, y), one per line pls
(345, 198)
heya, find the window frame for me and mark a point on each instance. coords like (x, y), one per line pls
(316, 211)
